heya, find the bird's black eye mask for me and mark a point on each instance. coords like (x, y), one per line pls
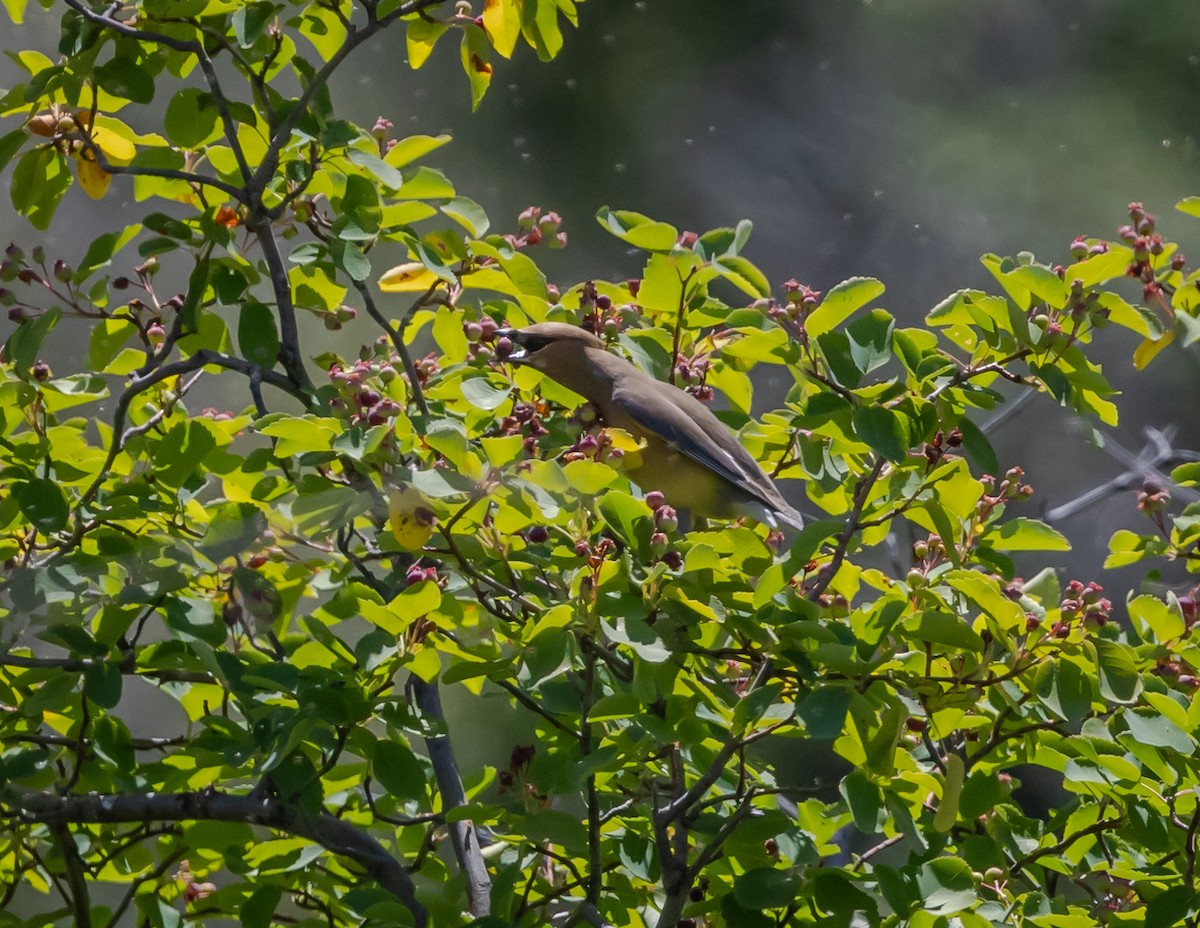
(526, 342)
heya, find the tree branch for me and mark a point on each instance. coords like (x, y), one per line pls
(289, 336)
(335, 835)
(127, 667)
(397, 340)
(80, 900)
(829, 571)
(465, 841)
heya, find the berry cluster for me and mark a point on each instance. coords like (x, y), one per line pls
(692, 373)
(594, 446)
(666, 521)
(799, 301)
(536, 227)
(1147, 243)
(1178, 670)
(1011, 489)
(508, 779)
(482, 343)
(336, 318)
(1082, 306)
(526, 419)
(358, 398)
(600, 316)
(58, 281)
(1152, 499)
(942, 445)
(416, 573)
(1082, 604)
(63, 126)
(928, 553)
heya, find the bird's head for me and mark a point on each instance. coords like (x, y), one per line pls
(550, 346)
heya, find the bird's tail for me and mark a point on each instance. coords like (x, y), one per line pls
(774, 516)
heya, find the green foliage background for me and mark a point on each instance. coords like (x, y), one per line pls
(307, 574)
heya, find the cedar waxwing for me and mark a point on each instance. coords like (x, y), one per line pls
(689, 454)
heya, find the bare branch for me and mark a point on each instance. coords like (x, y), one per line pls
(80, 899)
(397, 339)
(335, 835)
(463, 837)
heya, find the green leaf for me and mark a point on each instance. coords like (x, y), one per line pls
(25, 344)
(589, 477)
(408, 150)
(250, 20)
(823, 711)
(191, 118)
(629, 517)
(39, 181)
(257, 336)
(103, 682)
(234, 527)
(351, 259)
(15, 10)
(478, 391)
(884, 430)
(1173, 905)
(947, 810)
(1163, 622)
(743, 275)
(865, 800)
(259, 909)
(1189, 205)
(1119, 679)
(11, 143)
(1022, 534)
(767, 888)
(1063, 689)
(398, 771)
(101, 251)
(410, 604)
(870, 340)
(638, 230)
(125, 78)
(467, 213)
(840, 302)
(382, 170)
(1157, 731)
(299, 434)
(42, 502)
(946, 885)
(834, 892)
(944, 628)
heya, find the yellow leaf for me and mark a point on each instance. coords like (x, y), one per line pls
(502, 21)
(410, 517)
(420, 39)
(109, 135)
(413, 277)
(1145, 352)
(624, 440)
(92, 178)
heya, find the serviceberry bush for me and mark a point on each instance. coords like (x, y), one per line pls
(721, 726)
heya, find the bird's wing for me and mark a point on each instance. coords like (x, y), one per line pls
(690, 427)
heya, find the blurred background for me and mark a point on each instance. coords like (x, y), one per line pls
(894, 138)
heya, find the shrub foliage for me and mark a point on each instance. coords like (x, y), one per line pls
(719, 726)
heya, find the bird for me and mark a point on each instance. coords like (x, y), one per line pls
(688, 454)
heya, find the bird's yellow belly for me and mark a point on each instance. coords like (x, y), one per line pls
(685, 483)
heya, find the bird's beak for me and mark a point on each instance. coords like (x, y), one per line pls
(518, 355)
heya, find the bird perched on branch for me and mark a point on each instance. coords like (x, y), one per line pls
(688, 453)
